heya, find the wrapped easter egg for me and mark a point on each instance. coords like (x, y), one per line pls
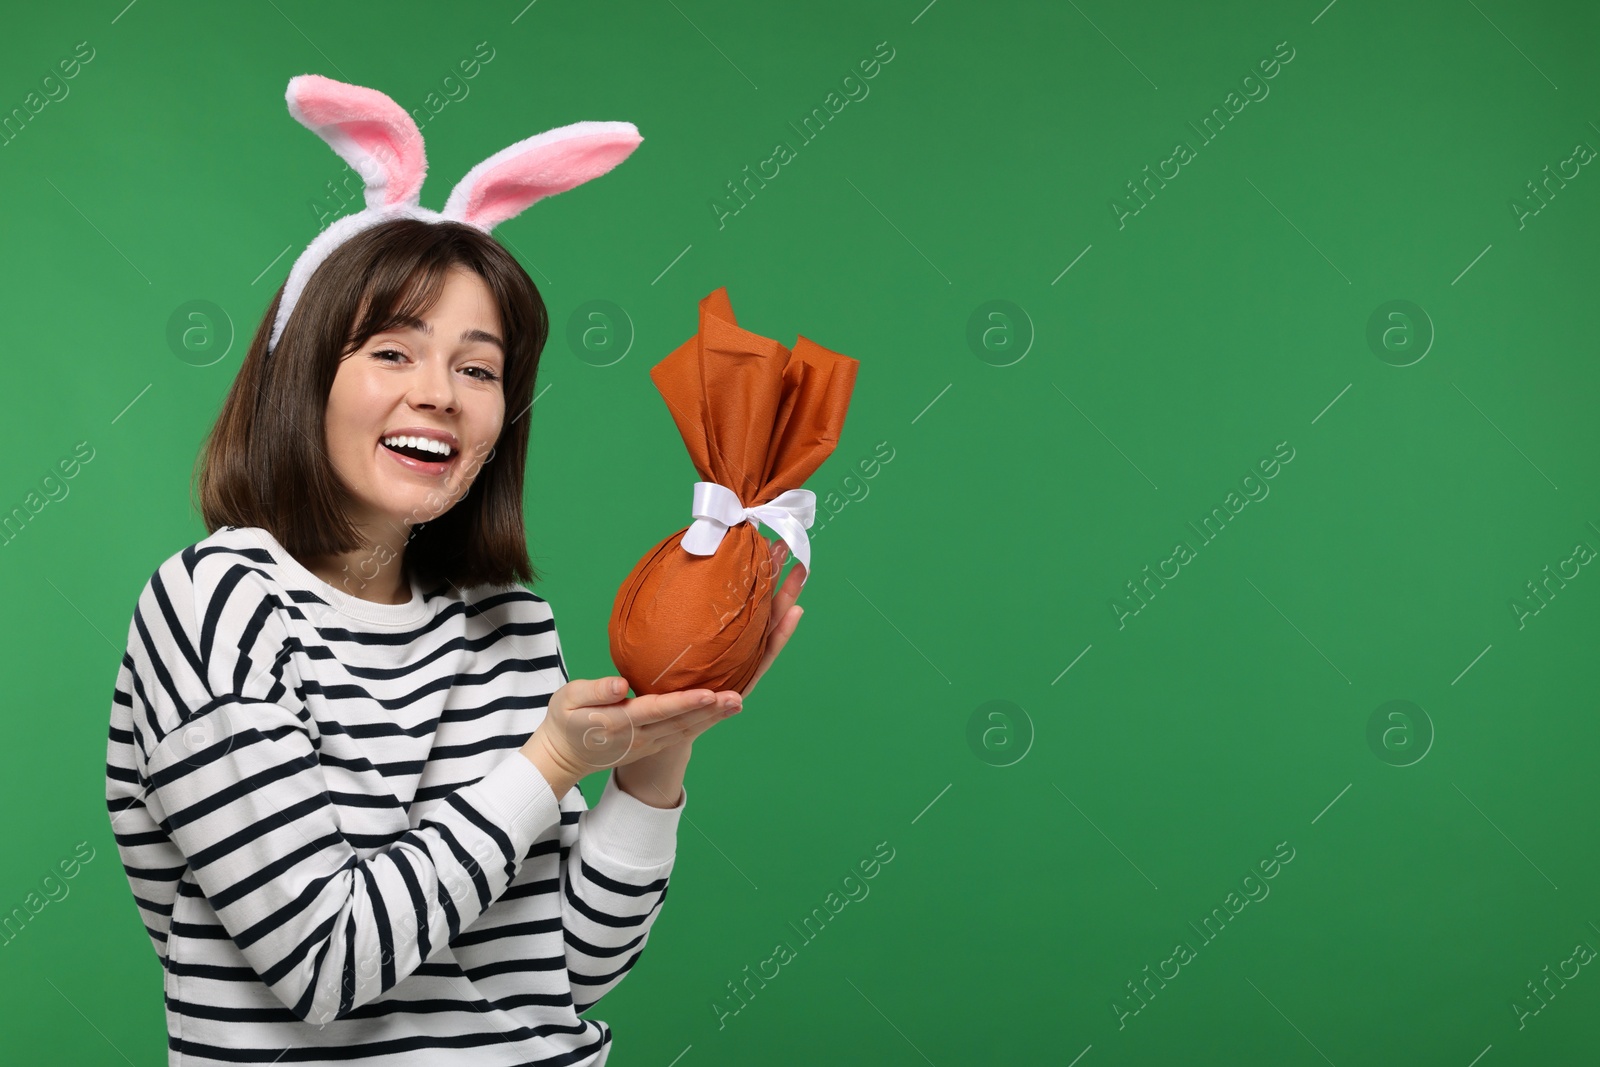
(758, 418)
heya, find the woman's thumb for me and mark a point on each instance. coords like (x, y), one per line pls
(595, 692)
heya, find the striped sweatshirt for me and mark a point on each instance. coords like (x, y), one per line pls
(333, 842)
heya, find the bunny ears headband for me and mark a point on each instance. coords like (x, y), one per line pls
(378, 138)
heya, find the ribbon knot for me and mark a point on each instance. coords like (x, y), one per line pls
(716, 508)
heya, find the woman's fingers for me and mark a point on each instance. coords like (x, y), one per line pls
(656, 707)
(594, 725)
(590, 693)
(656, 714)
(641, 710)
(784, 616)
(686, 725)
(777, 637)
(788, 592)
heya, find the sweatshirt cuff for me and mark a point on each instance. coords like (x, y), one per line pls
(518, 799)
(629, 831)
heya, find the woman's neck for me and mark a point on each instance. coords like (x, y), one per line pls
(372, 572)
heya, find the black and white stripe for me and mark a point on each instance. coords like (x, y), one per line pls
(334, 846)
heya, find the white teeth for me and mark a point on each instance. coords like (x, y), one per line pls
(425, 443)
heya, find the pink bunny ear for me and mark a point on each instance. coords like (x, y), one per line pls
(371, 132)
(506, 183)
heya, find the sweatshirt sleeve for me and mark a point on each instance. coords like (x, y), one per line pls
(228, 757)
(613, 883)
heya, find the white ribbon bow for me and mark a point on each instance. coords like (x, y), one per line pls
(716, 508)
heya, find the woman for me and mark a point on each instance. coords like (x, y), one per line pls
(344, 749)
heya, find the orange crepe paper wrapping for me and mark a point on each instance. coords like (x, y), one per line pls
(758, 418)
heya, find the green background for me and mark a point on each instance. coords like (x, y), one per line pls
(1045, 853)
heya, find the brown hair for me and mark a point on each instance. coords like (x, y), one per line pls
(265, 462)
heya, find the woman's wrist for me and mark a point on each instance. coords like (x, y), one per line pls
(656, 779)
(560, 777)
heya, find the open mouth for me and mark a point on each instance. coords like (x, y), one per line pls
(419, 457)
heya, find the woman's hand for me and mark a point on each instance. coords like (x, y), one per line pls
(590, 725)
(651, 735)
(785, 615)
(657, 779)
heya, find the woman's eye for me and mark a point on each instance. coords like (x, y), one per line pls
(484, 374)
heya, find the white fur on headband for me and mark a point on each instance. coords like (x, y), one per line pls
(378, 138)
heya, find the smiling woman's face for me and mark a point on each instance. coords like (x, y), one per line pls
(441, 378)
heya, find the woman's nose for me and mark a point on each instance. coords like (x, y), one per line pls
(434, 386)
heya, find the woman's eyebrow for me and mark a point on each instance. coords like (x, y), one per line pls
(467, 336)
